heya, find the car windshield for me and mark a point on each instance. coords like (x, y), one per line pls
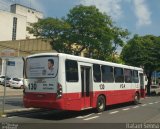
(16, 79)
(2, 77)
(154, 86)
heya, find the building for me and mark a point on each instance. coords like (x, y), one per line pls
(31, 15)
(14, 24)
(15, 66)
(23, 48)
(14, 50)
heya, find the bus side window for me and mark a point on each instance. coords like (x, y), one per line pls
(135, 76)
(107, 74)
(118, 74)
(96, 73)
(128, 75)
(71, 71)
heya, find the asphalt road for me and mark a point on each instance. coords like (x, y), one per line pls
(12, 103)
(148, 111)
(10, 91)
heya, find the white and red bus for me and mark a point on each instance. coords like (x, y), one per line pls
(67, 82)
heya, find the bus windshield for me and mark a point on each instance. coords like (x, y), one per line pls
(42, 67)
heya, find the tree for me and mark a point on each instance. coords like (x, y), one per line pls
(94, 32)
(51, 29)
(143, 51)
(84, 29)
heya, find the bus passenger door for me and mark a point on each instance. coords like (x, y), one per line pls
(85, 86)
(142, 85)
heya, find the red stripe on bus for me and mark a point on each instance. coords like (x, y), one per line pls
(75, 101)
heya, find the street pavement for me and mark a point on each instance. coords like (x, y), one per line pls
(145, 112)
(10, 92)
(148, 111)
(12, 103)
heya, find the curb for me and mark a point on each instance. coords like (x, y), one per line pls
(16, 111)
(19, 112)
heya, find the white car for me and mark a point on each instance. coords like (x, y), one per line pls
(155, 89)
(16, 83)
(2, 79)
(7, 81)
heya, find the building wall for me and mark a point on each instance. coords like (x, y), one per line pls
(25, 47)
(32, 15)
(25, 16)
(6, 26)
(15, 67)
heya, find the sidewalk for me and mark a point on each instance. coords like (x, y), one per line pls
(10, 92)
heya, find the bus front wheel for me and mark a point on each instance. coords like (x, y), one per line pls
(101, 104)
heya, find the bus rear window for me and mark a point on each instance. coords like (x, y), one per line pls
(45, 67)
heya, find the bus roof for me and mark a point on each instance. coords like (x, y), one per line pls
(84, 59)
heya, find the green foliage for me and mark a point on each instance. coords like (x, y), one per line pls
(143, 52)
(51, 29)
(84, 29)
(115, 59)
(94, 32)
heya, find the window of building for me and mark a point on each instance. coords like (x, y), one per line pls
(71, 71)
(107, 74)
(118, 74)
(96, 73)
(135, 76)
(29, 11)
(128, 75)
(11, 63)
(14, 30)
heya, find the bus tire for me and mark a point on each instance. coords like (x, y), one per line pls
(136, 99)
(101, 104)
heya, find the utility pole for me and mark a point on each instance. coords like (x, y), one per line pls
(155, 78)
(4, 95)
(19, 46)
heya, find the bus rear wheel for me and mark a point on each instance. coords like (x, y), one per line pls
(136, 99)
(101, 104)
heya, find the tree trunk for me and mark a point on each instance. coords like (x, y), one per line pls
(149, 83)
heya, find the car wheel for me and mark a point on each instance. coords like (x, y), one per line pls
(101, 104)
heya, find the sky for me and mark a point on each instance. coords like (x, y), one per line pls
(138, 16)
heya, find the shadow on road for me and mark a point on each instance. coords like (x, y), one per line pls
(14, 103)
(56, 115)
